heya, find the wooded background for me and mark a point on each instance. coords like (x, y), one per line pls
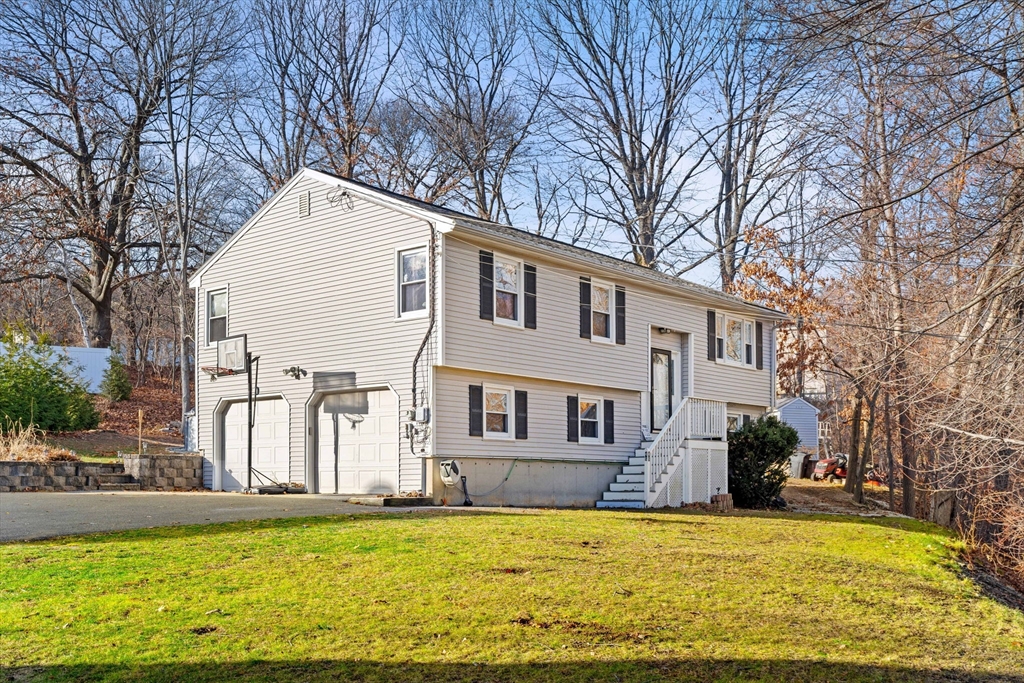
(858, 165)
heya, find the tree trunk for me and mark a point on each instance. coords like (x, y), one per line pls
(866, 456)
(851, 464)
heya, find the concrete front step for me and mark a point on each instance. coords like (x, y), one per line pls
(629, 478)
(632, 469)
(623, 495)
(626, 487)
(621, 504)
(640, 458)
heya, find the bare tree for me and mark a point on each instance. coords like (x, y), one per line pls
(80, 85)
(469, 80)
(627, 71)
(354, 45)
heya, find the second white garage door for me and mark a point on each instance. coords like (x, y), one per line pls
(269, 443)
(358, 443)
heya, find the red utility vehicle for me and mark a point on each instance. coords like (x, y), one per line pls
(831, 469)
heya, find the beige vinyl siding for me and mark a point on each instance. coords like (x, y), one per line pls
(547, 420)
(555, 350)
(317, 292)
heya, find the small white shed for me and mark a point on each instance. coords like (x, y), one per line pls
(88, 364)
(802, 416)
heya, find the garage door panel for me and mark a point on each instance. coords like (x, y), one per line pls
(367, 447)
(270, 443)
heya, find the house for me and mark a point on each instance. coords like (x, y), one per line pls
(393, 335)
(802, 416)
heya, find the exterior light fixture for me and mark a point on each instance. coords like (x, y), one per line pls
(294, 371)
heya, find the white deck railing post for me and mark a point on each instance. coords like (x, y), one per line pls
(693, 418)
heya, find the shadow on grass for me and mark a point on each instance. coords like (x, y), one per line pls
(669, 515)
(209, 529)
(625, 671)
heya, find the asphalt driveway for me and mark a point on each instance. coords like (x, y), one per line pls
(27, 516)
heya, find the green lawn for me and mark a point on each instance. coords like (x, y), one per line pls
(537, 596)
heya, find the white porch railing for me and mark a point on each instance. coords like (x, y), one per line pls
(694, 418)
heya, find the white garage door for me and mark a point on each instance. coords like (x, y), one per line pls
(358, 443)
(269, 443)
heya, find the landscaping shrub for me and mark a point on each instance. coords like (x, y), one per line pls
(759, 455)
(116, 384)
(35, 389)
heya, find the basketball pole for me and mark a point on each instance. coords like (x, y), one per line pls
(249, 423)
(249, 359)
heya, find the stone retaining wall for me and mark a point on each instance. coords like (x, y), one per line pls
(37, 476)
(148, 472)
(165, 472)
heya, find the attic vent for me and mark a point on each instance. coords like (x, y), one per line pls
(304, 203)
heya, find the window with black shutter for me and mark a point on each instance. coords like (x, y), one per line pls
(620, 315)
(759, 341)
(585, 307)
(573, 418)
(476, 410)
(530, 292)
(486, 285)
(521, 410)
(609, 421)
(712, 336)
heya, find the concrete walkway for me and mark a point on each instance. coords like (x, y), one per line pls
(27, 516)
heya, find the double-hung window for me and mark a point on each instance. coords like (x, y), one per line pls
(590, 419)
(412, 282)
(497, 413)
(601, 312)
(735, 340)
(216, 316)
(507, 287)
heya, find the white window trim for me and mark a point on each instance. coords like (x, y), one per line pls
(501, 436)
(720, 333)
(610, 339)
(412, 315)
(599, 439)
(739, 419)
(520, 292)
(206, 313)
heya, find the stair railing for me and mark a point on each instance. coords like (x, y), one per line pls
(663, 449)
(693, 418)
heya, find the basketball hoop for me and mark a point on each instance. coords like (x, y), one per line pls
(215, 371)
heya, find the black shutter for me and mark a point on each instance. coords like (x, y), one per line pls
(712, 337)
(486, 285)
(620, 315)
(759, 344)
(521, 415)
(585, 307)
(476, 410)
(671, 376)
(609, 421)
(574, 418)
(530, 273)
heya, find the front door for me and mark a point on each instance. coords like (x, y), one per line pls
(661, 388)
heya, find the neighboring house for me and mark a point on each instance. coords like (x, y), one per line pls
(426, 334)
(802, 416)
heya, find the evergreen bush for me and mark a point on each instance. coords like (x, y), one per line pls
(37, 390)
(759, 455)
(116, 384)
